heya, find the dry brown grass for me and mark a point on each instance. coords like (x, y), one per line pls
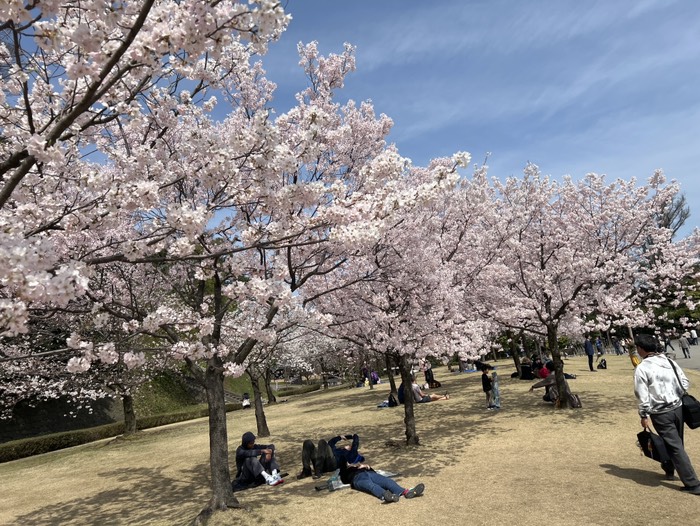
(524, 465)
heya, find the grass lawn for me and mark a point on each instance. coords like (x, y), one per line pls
(526, 464)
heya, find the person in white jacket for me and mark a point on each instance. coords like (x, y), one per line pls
(658, 393)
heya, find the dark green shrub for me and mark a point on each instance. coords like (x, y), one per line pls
(28, 447)
(298, 389)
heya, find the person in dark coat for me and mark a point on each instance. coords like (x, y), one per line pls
(590, 351)
(487, 385)
(255, 464)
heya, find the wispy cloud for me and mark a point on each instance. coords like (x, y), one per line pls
(574, 86)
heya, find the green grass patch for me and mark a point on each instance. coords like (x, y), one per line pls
(165, 393)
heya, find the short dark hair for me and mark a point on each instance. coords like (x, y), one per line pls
(647, 343)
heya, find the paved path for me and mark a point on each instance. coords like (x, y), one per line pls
(691, 363)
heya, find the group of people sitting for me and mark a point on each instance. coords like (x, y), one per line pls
(256, 465)
(549, 382)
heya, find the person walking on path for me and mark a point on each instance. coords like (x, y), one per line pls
(667, 343)
(658, 394)
(590, 351)
(685, 344)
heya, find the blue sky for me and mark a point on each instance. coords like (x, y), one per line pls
(574, 86)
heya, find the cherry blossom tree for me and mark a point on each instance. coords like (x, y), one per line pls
(245, 215)
(577, 248)
(77, 74)
(418, 273)
(53, 361)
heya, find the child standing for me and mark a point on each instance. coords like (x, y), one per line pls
(487, 385)
(496, 398)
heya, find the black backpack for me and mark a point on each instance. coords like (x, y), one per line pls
(603, 364)
(392, 400)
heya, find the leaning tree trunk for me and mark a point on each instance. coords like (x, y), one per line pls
(260, 419)
(409, 417)
(562, 386)
(129, 414)
(271, 398)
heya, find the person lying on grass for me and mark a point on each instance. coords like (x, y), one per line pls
(363, 478)
(326, 456)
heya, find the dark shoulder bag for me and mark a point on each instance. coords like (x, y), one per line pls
(691, 407)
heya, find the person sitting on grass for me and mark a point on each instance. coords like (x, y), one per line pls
(363, 478)
(420, 397)
(255, 464)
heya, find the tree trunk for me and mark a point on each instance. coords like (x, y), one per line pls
(271, 398)
(390, 374)
(222, 493)
(515, 352)
(129, 414)
(260, 419)
(562, 386)
(409, 418)
(324, 374)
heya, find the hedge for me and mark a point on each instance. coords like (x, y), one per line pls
(27, 447)
(300, 389)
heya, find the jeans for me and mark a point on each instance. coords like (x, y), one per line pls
(374, 483)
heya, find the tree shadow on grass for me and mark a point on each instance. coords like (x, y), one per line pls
(147, 496)
(447, 431)
(447, 428)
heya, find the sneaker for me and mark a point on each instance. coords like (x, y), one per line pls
(275, 481)
(304, 474)
(416, 491)
(390, 497)
(317, 475)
